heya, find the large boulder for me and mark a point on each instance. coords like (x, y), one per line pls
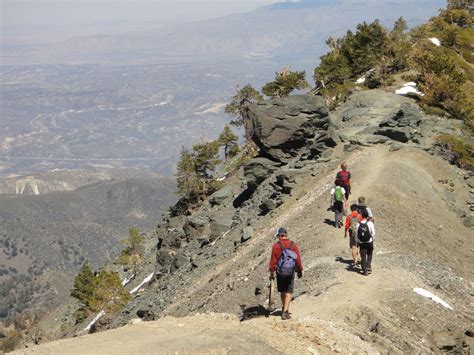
(281, 127)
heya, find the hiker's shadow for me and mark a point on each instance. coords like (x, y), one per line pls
(348, 263)
(258, 311)
(329, 222)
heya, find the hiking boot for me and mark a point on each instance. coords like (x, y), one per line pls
(369, 270)
(285, 316)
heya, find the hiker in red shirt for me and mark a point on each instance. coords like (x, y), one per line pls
(351, 226)
(285, 260)
(344, 179)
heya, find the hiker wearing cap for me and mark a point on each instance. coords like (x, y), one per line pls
(365, 236)
(285, 260)
(362, 205)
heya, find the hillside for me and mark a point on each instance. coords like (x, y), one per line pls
(396, 107)
(46, 238)
(420, 243)
(215, 260)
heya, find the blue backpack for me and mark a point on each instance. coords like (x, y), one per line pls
(287, 263)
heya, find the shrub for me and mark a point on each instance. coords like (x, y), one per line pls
(83, 288)
(285, 83)
(133, 253)
(109, 293)
(455, 151)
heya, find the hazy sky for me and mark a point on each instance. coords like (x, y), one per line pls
(43, 12)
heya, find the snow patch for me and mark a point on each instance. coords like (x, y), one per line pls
(89, 326)
(127, 280)
(409, 89)
(360, 80)
(428, 294)
(144, 282)
(435, 41)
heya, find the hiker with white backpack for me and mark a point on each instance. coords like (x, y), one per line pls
(365, 236)
(285, 261)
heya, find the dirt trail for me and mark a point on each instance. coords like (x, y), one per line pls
(337, 309)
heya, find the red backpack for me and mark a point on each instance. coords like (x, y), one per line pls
(343, 178)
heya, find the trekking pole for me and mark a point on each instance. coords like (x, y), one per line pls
(271, 302)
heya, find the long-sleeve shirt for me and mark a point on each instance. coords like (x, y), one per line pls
(371, 230)
(276, 253)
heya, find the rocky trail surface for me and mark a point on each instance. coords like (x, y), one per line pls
(421, 242)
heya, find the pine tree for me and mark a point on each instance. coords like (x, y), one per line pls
(333, 70)
(400, 46)
(186, 178)
(366, 48)
(109, 293)
(238, 107)
(285, 83)
(133, 253)
(440, 79)
(228, 140)
(83, 288)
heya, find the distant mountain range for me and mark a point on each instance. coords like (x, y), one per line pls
(287, 31)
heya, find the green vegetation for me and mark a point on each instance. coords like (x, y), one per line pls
(195, 169)
(109, 293)
(372, 51)
(285, 83)
(444, 74)
(83, 287)
(133, 252)
(456, 151)
(238, 107)
(102, 292)
(228, 140)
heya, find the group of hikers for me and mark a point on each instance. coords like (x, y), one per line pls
(359, 225)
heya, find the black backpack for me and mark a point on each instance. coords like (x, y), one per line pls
(363, 233)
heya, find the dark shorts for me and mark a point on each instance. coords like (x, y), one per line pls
(348, 191)
(352, 240)
(338, 206)
(285, 283)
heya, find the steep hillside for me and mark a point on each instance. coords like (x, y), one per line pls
(420, 243)
(216, 259)
(46, 238)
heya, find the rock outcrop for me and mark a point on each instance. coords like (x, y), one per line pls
(283, 127)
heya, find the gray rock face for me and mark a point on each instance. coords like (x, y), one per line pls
(401, 125)
(282, 127)
(257, 170)
(197, 226)
(221, 221)
(398, 134)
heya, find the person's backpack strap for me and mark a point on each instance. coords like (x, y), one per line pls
(282, 247)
